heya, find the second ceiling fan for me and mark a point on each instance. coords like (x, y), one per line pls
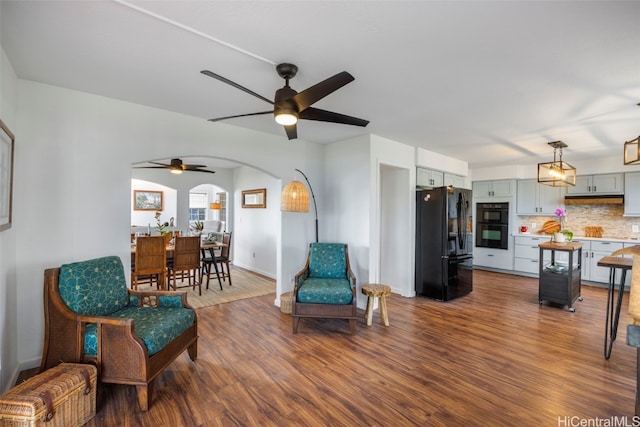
(289, 106)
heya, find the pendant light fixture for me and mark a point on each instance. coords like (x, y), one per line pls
(557, 173)
(295, 198)
(632, 151)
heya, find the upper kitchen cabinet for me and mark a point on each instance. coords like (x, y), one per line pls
(632, 194)
(611, 183)
(501, 188)
(429, 178)
(537, 199)
(454, 180)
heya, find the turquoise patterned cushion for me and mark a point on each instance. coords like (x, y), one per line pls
(96, 287)
(156, 326)
(328, 260)
(325, 291)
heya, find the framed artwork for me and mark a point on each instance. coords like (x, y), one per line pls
(7, 142)
(144, 200)
(254, 198)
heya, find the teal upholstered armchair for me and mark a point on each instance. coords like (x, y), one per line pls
(131, 336)
(326, 286)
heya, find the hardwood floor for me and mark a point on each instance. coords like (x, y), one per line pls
(494, 357)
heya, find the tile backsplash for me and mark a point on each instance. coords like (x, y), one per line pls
(580, 216)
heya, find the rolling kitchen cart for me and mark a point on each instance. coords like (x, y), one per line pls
(559, 280)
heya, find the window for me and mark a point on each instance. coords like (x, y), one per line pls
(197, 206)
(222, 198)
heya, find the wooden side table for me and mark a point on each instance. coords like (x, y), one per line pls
(373, 291)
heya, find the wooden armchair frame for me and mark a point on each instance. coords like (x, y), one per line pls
(327, 311)
(122, 357)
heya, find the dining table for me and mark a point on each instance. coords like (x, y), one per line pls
(205, 245)
(614, 301)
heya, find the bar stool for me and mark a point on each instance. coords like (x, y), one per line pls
(373, 291)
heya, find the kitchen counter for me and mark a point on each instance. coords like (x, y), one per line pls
(634, 240)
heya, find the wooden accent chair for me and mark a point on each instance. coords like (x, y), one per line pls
(326, 286)
(223, 258)
(131, 336)
(150, 261)
(186, 261)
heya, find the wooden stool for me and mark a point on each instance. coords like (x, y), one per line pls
(373, 291)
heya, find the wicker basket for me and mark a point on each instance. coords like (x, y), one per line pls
(286, 302)
(63, 396)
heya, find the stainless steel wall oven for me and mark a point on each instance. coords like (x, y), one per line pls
(492, 225)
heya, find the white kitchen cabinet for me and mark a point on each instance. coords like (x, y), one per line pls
(493, 258)
(429, 178)
(500, 188)
(632, 194)
(454, 180)
(612, 183)
(527, 254)
(534, 198)
(592, 252)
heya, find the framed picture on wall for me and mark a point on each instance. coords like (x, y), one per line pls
(144, 200)
(7, 142)
(254, 198)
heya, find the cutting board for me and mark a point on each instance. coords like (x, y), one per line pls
(593, 231)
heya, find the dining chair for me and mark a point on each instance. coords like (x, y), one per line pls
(209, 261)
(186, 261)
(223, 258)
(150, 262)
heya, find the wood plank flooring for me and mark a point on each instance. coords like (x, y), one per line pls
(492, 358)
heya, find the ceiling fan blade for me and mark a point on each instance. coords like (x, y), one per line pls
(329, 116)
(196, 168)
(292, 131)
(240, 115)
(234, 84)
(159, 164)
(200, 170)
(150, 167)
(318, 91)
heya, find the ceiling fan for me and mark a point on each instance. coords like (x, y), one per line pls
(177, 167)
(289, 106)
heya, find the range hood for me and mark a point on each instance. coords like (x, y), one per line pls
(614, 199)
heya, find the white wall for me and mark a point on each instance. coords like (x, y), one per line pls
(256, 229)
(82, 146)
(346, 206)
(429, 159)
(393, 180)
(148, 218)
(8, 284)
(530, 171)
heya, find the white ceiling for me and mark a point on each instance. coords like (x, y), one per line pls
(486, 82)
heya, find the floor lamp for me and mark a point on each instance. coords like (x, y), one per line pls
(295, 198)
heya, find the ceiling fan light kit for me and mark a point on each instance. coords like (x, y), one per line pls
(289, 106)
(557, 173)
(176, 167)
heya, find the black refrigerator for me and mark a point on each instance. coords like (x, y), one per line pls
(444, 241)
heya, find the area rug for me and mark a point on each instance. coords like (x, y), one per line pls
(246, 284)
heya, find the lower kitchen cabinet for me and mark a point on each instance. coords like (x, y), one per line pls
(526, 256)
(592, 252)
(493, 258)
(527, 253)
